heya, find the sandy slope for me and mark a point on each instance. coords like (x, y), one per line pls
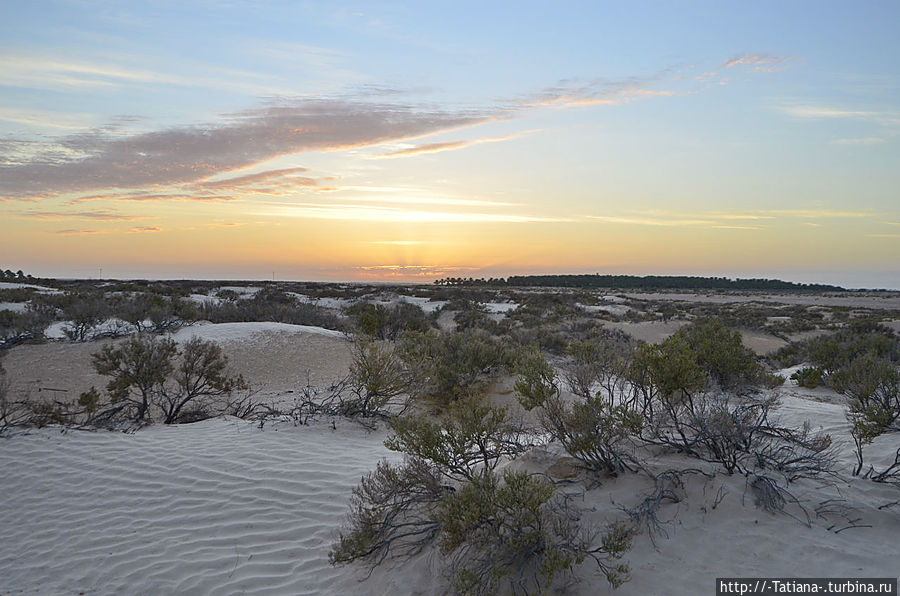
(222, 507)
(216, 507)
(274, 357)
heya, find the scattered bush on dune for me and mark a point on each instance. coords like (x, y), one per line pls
(808, 376)
(156, 312)
(269, 304)
(379, 383)
(381, 322)
(495, 529)
(147, 371)
(84, 315)
(872, 383)
(455, 365)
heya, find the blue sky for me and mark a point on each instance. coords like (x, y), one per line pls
(411, 140)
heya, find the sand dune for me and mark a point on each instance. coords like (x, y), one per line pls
(224, 507)
(216, 507)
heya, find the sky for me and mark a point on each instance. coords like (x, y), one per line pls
(410, 141)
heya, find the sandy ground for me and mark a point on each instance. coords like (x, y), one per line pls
(648, 331)
(886, 300)
(275, 358)
(216, 507)
(226, 507)
(760, 342)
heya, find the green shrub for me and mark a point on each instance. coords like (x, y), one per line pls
(594, 431)
(720, 352)
(470, 440)
(456, 364)
(379, 382)
(492, 528)
(147, 371)
(378, 321)
(537, 380)
(512, 529)
(809, 377)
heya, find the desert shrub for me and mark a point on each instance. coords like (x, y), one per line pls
(269, 304)
(84, 315)
(492, 528)
(831, 352)
(667, 370)
(809, 377)
(157, 312)
(739, 435)
(536, 382)
(720, 352)
(476, 318)
(456, 364)
(8, 411)
(513, 529)
(594, 432)
(472, 439)
(771, 380)
(378, 321)
(872, 383)
(391, 511)
(137, 369)
(599, 361)
(201, 372)
(18, 327)
(148, 371)
(379, 382)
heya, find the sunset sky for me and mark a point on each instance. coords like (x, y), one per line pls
(408, 141)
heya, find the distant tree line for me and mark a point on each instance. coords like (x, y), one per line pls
(647, 282)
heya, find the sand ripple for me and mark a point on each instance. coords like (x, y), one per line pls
(217, 507)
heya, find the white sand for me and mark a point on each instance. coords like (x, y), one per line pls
(11, 285)
(217, 507)
(648, 331)
(18, 307)
(274, 357)
(499, 307)
(232, 332)
(222, 507)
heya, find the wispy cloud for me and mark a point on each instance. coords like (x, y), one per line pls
(884, 235)
(450, 145)
(756, 220)
(196, 154)
(56, 73)
(145, 229)
(758, 62)
(355, 212)
(887, 122)
(408, 271)
(267, 176)
(821, 213)
(814, 111)
(598, 92)
(85, 215)
(47, 119)
(143, 197)
(397, 242)
(648, 221)
(73, 232)
(860, 141)
(448, 201)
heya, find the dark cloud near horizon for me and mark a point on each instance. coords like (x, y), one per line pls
(194, 153)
